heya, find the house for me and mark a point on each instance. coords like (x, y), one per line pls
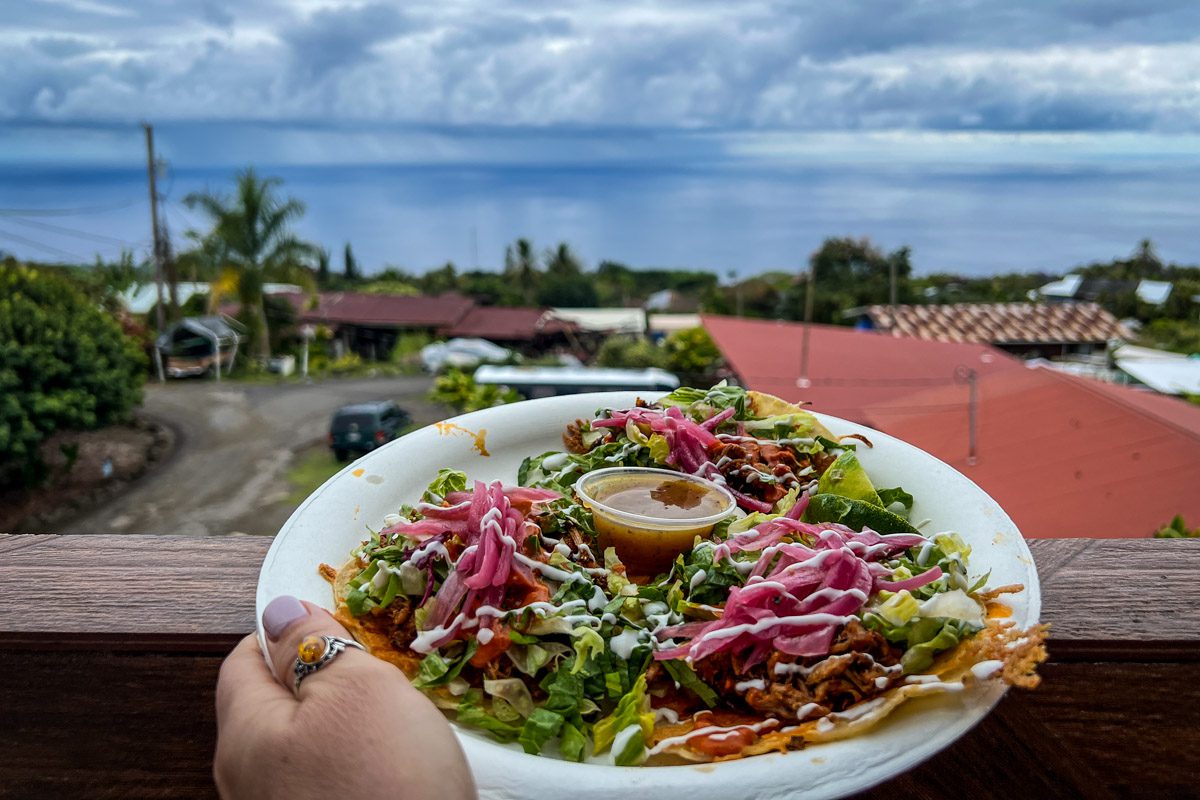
(605, 321)
(1161, 371)
(847, 369)
(368, 324)
(1063, 455)
(528, 329)
(660, 326)
(1030, 330)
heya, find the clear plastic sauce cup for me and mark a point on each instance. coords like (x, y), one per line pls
(650, 516)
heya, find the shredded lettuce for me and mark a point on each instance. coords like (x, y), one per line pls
(899, 608)
(511, 699)
(471, 712)
(632, 714)
(447, 481)
(437, 671)
(687, 678)
(922, 637)
(587, 644)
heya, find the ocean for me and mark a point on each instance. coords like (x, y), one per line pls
(664, 201)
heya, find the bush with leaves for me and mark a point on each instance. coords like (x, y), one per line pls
(458, 390)
(692, 352)
(1177, 529)
(624, 351)
(64, 365)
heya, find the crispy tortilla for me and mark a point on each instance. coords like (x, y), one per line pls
(768, 405)
(1017, 651)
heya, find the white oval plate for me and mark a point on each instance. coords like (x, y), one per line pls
(335, 519)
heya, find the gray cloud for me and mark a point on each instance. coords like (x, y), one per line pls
(333, 38)
(757, 64)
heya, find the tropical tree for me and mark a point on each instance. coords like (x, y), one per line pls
(349, 265)
(254, 227)
(565, 283)
(521, 266)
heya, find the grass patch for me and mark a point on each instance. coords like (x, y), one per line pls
(312, 467)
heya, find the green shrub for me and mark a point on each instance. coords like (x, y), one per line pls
(458, 390)
(692, 352)
(64, 365)
(623, 351)
(1176, 529)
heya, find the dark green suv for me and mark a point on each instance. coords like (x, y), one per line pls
(362, 427)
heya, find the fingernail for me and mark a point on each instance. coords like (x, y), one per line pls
(280, 613)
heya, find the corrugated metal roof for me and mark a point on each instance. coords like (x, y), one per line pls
(1166, 375)
(508, 324)
(605, 320)
(1064, 456)
(849, 369)
(382, 310)
(1000, 323)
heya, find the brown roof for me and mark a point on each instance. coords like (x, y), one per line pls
(508, 324)
(381, 310)
(1000, 323)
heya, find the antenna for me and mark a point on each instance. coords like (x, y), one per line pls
(803, 382)
(971, 378)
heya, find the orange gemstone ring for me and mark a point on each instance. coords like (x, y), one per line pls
(315, 652)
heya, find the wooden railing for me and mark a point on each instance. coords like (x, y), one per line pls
(110, 645)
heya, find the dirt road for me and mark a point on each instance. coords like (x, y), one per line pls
(236, 442)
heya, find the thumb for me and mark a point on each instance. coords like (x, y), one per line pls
(287, 622)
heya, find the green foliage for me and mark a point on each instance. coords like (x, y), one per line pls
(692, 352)
(625, 351)
(64, 365)
(252, 233)
(1176, 335)
(350, 269)
(1176, 529)
(458, 390)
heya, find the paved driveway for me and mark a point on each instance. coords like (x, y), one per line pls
(235, 444)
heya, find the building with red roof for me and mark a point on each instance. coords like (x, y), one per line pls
(1064, 455)
(368, 324)
(513, 327)
(848, 369)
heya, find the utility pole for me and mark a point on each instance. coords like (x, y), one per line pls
(151, 169)
(809, 291)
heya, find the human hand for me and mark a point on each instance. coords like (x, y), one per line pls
(358, 728)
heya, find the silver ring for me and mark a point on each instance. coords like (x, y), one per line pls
(315, 652)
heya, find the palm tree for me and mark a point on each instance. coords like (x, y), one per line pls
(253, 230)
(522, 267)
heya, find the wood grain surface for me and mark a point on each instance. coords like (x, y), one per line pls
(111, 646)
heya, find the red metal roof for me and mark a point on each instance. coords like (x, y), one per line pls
(1063, 455)
(381, 310)
(1000, 323)
(508, 324)
(849, 369)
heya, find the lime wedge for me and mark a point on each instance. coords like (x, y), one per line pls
(846, 477)
(855, 514)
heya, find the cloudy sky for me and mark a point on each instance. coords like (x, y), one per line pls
(1004, 85)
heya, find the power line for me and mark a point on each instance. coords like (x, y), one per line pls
(95, 237)
(63, 212)
(45, 248)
